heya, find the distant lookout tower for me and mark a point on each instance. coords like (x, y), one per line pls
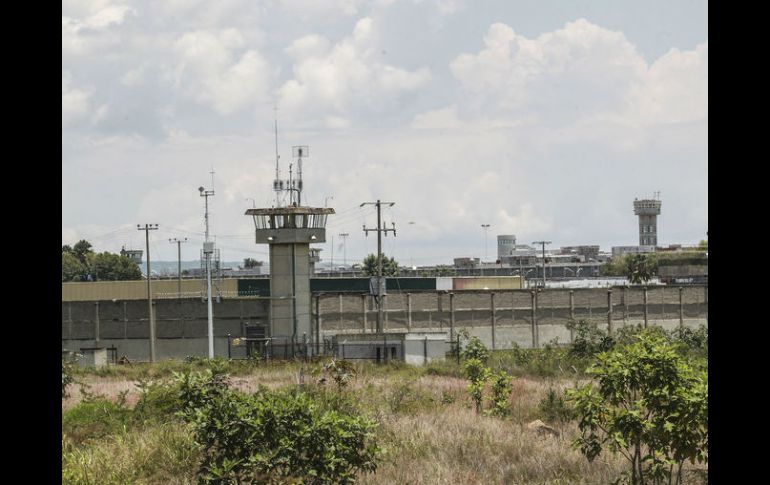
(648, 211)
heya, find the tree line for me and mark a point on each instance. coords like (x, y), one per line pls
(81, 263)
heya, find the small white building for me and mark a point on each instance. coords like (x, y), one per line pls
(416, 348)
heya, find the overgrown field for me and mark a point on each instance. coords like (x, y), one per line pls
(184, 422)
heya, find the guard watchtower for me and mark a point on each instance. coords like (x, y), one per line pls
(289, 231)
(648, 211)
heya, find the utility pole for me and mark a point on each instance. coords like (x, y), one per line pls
(486, 228)
(147, 228)
(344, 236)
(208, 250)
(178, 264)
(543, 243)
(380, 281)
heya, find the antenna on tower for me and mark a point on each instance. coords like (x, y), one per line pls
(277, 183)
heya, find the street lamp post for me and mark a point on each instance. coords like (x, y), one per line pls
(486, 228)
(543, 244)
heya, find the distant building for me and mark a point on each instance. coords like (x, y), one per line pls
(506, 244)
(621, 250)
(134, 255)
(466, 262)
(589, 253)
(648, 211)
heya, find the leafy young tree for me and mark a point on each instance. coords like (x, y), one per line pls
(110, 267)
(82, 249)
(71, 268)
(651, 406)
(389, 266)
(639, 269)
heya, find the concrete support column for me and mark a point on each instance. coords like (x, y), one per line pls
(385, 312)
(681, 307)
(571, 314)
(125, 320)
(69, 321)
(317, 324)
(451, 317)
(492, 306)
(644, 295)
(363, 310)
(439, 311)
(625, 304)
(535, 336)
(409, 312)
(96, 324)
(609, 312)
(339, 299)
(513, 309)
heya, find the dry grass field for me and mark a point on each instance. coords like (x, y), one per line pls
(428, 429)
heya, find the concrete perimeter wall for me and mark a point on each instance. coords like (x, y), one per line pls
(499, 318)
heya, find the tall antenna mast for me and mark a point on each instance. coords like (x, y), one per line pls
(277, 183)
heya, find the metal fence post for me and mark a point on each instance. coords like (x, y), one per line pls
(451, 316)
(609, 312)
(681, 307)
(644, 294)
(572, 314)
(535, 336)
(363, 309)
(492, 305)
(409, 312)
(229, 354)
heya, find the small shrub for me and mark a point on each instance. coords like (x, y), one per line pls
(66, 378)
(477, 373)
(501, 392)
(340, 371)
(157, 400)
(589, 339)
(553, 408)
(475, 349)
(94, 418)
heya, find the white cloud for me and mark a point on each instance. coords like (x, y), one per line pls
(211, 72)
(580, 73)
(347, 7)
(84, 25)
(347, 78)
(74, 102)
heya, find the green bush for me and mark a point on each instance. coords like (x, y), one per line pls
(274, 436)
(651, 406)
(588, 339)
(553, 408)
(94, 418)
(501, 392)
(475, 349)
(66, 378)
(158, 400)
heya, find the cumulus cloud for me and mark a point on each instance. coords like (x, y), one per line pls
(211, 71)
(581, 72)
(76, 104)
(84, 25)
(577, 71)
(347, 78)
